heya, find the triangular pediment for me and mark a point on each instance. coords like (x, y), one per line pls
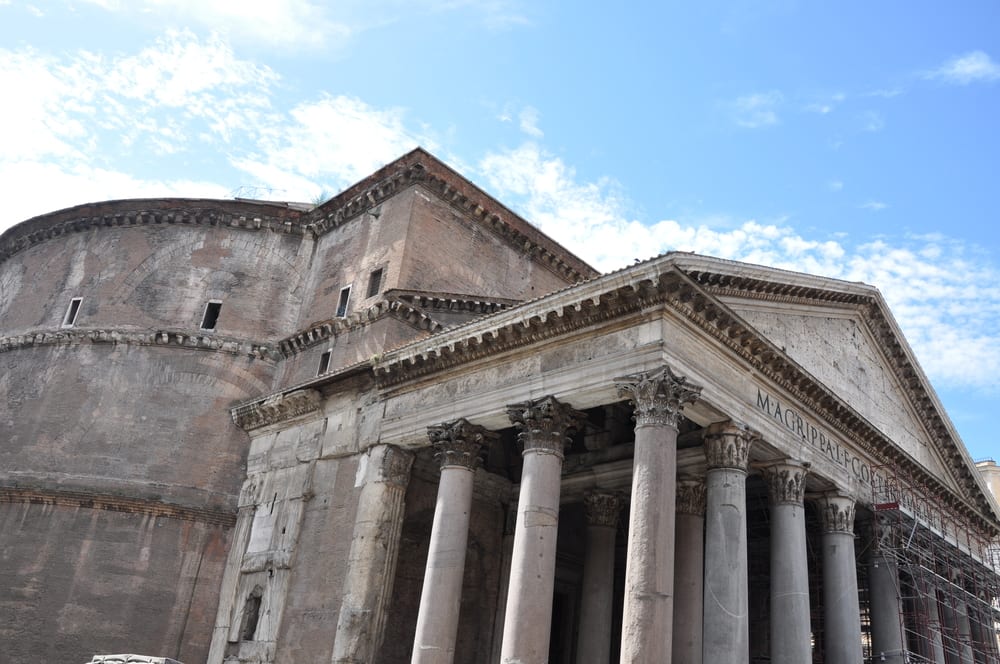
(834, 344)
(843, 335)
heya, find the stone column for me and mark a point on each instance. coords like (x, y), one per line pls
(457, 446)
(726, 622)
(841, 610)
(371, 563)
(689, 571)
(885, 603)
(790, 629)
(962, 618)
(544, 425)
(647, 623)
(594, 642)
(932, 619)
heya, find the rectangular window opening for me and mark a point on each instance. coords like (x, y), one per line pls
(324, 363)
(345, 295)
(375, 282)
(211, 316)
(74, 308)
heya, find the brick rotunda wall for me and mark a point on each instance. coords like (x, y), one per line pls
(119, 464)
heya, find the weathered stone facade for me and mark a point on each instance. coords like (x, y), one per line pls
(407, 426)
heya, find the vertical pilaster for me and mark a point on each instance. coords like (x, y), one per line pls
(544, 424)
(726, 622)
(457, 446)
(647, 623)
(841, 610)
(594, 642)
(790, 629)
(689, 571)
(371, 564)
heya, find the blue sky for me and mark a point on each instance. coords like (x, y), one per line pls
(852, 140)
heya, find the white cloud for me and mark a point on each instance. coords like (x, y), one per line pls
(285, 23)
(946, 299)
(835, 185)
(529, 118)
(872, 121)
(875, 206)
(757, 110)
(328, 143)
(968, 68)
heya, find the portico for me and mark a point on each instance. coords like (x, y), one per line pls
(652, 480)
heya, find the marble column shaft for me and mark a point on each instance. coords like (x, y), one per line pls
(371, 563)
(594, 642)
(726, 637)
(791, 633)
(885, 604)
(689, 571)
(841, 608)
(544, 425)
(457, 446)
(647, 622)
(931, 620)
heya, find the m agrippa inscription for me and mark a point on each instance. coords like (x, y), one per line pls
(804, 428)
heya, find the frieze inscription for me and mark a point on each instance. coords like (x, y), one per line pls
(799, 425)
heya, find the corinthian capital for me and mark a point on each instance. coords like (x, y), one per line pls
(545, 424)
(837, 511)
(691, 497)
(459, 443)
(603, 508)
(786, 482)
(657, 396)
(727, 445)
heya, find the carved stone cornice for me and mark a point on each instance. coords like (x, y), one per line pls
(276, 408)
(459, 443)
(786, 482)
(603, 508)
(658, 396)
(544, 424)
(323, 331)
(837, 513)
(173, 338)
(236, 215)
(120, 504)
(691, 497)
(727, 445)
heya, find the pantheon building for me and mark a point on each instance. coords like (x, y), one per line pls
(407, 426)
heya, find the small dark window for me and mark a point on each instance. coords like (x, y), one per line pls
(211, 316)
(345, 295)
(375, 282)
(324, 363)
(251, 616)
(71, 312)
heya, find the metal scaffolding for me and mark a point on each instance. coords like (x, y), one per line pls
(948, 571)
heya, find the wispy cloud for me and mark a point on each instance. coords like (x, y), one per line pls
(529, 118)
(283, 23)
(757, 110)
(826, 105)
(327, 144)
(872, 121)
(835, 185)
(875, 206)
(965, 69)
(946, 298)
